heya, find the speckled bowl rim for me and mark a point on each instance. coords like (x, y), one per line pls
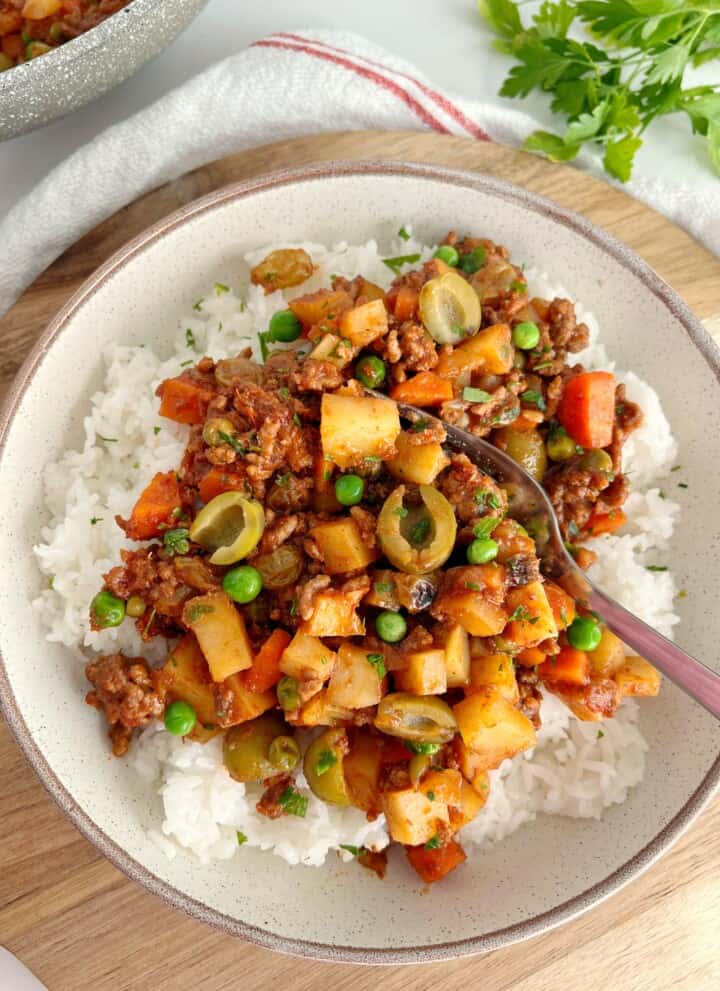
(499, 938)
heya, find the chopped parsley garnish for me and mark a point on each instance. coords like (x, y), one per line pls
(284, 478)
(195, 612)
(403, 234)
(484, 528)
(600, 734)
(395, 264)
(241, 838)
(264, 337)
(655, 567)
(419, 532)
(220, 288)
(533, 398)
(676, 468)
(354, 850)
(419, 425)
(156, 430)
(293, 608)
(384, 588)
(471, 395)
(433, 843)
(522, 615)
(325, 761)
(421, 747)
(543, 364)
(473, 586)
(296, 420)
(285, 392)
(198, 304)
(293, 803)
(378, 662)
(431, 796)
(484, 497)
(401, 511)
(184, 364)
(233, 442)
(95, 519)
(518, 286)
(682, 485)
(108, 440)
(189, 338)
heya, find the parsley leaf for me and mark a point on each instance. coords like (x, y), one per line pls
(434, 843)
(325, 761)
(533, 398)
(293, 803)
(177, 541)
(471, 395)
(395, 264)
(378, 662)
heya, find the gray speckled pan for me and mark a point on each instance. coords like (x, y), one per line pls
(550, 870)
(75, 73)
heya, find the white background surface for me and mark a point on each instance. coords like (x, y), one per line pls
(446, 39)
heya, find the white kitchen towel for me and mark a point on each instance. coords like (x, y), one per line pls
(283, 86)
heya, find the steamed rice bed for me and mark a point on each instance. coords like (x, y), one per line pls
(575, 769)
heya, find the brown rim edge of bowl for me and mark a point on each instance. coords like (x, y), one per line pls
(538, 924)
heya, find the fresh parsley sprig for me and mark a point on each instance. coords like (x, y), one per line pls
(609, 97)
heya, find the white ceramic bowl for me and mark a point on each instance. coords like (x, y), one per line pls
(549, 870)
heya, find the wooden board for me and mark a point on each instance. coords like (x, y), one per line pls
(80, 924)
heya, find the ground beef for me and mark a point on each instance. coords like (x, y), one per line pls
(628, 417)
(163, 582)
(277, 531)
(307, 593)
(318, 376)
(269, 804)
(127, 692)
(419, 352)
(521, 569)
(574, 492)
(366, 524)
(472, 493)
(565, 332)
(426, 431)
(530, 694)
(279, 370)
(290, 493)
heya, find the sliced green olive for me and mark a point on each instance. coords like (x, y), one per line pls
(449, 308)
(246, 747)
(420, 539)
(217, 430)
(323, 766)
(416, 717)
(230, 526)
(418, 765)
(284, 753)
(280, 567)
(526, 447)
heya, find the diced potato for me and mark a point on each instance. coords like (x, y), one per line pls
(442, 786)
(317, 711)
(355, 682)
(494, 671)
(342, 546)
(490, 350)
(534, 620)
(419, 463)
(364, 324)
(471, 802)
(562, 605)
(493, 728)
(221, 633)
(384, 591)
(425, 673)
(608, 656)
(637, 677)
(456, 643)
(334, 615)
(370, 290)
(329, 348)
(321, 308)
(307, 658)
(353, 428)
(411, 817)
(472, 768)
(362, 766)
(186, 676)
(245, 703)
(591, 703)
(472, 597)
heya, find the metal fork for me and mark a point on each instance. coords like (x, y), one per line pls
(531, 505)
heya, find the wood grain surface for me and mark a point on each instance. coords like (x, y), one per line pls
(79, 924)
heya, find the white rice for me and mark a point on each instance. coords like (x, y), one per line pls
(575, 769)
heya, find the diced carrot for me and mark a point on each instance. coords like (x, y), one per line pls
(154, 509)
(321, 308)
(13, 47)
(265, 671)
(531, 657)
(570, 667)
(424, 389)
(10, 22)
(605, 522)
(526, 421)
(406, 302)
(562, 605)
(183, 400)
(587, 408)
(218, 480)
(434, 865)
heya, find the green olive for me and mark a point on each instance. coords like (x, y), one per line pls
(416, 717)
(246, 748)
(323, 766)
(597, 460)
(230, 526)
(217, 430)
(449, 308)
(418, 765)
(526, 447)
(420, 539)
(35, 49)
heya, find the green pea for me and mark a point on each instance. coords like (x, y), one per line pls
(135, 607)
(526, 335)
(284, 327)
(180, 718)
(107, 610)
(472, 261)
(560, 446)
(349, 490)
(597, 460)
(482, 550)
(446, 253)
(288, 693)
(284, 753)
(243, 584)
(370, 371)
(584, 633)
(390, 626)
